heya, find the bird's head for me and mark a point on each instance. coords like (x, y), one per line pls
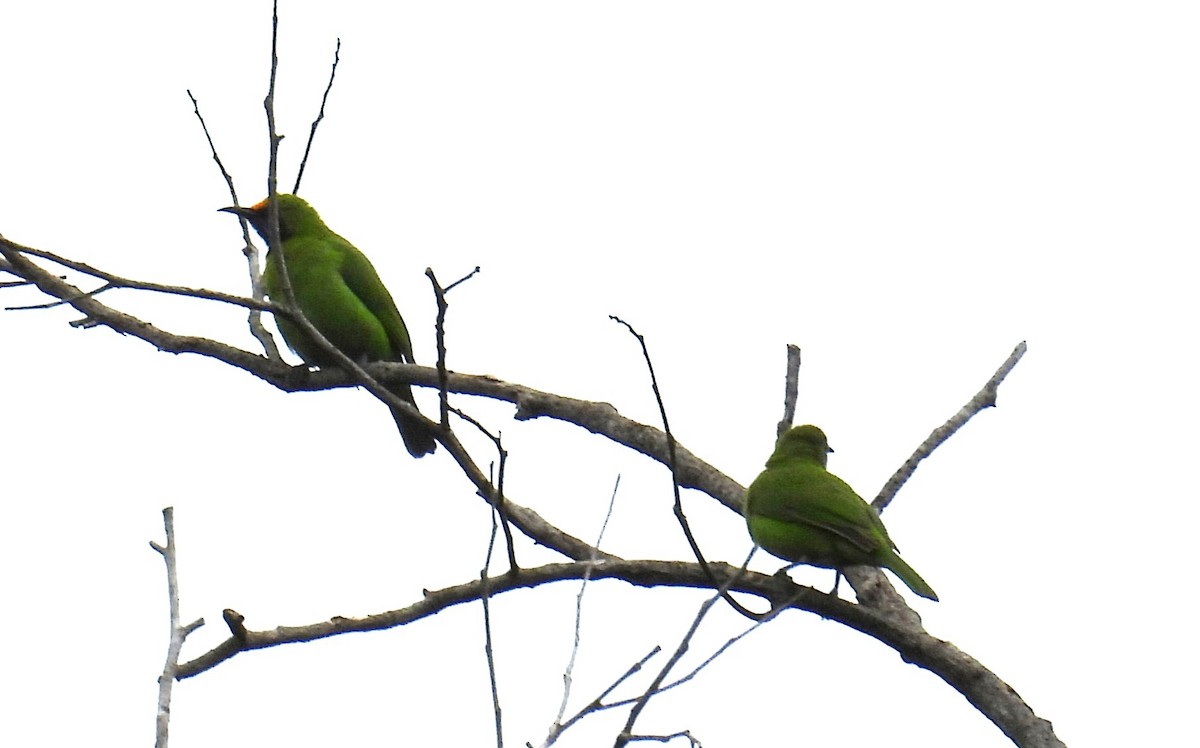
(802, 442)
(295, 215)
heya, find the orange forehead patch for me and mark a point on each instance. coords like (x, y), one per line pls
(260, 206)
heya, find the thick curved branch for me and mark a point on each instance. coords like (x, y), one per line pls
(599, 418)
(285, 377)
(980, 686)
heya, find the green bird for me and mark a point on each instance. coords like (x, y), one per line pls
(339, 292)
(799, 511)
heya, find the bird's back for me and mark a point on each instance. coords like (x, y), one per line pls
(799, 511)
(315, 267)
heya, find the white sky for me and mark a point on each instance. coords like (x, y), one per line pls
(904, 190)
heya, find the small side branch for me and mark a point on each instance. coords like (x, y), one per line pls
(791, 388)
(443, 306)
(985, 398)
(871, 586)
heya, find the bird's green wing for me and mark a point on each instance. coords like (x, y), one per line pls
(314, 267)
(804, 494)
(361, 278)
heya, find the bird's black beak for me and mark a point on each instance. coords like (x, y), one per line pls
(237, 211)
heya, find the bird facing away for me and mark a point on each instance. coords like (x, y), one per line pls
(339, 292)
(799, 511)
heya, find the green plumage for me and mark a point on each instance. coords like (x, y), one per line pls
(339, 292)
(799, 511)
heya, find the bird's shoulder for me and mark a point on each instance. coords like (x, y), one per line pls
(363, 280)
(312, 250)
(801, 482)
(797, 472)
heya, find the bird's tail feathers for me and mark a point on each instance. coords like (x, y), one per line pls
(910, 577)
(417, 438)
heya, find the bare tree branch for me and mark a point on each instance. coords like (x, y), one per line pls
(179, 632)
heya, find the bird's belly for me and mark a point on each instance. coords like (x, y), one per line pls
(798, 543)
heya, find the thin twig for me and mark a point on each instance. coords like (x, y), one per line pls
(626, 733)
(440, 332)
(312, 134)
(776, 609)
(489, 652)
(249, 249)
(673, 464)
(597, 704)
(212, 148)
(443, 306)
(112, 281)
(556, 729)
(495, 493)
(655, 687)
(463, 279)
(84, 323)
